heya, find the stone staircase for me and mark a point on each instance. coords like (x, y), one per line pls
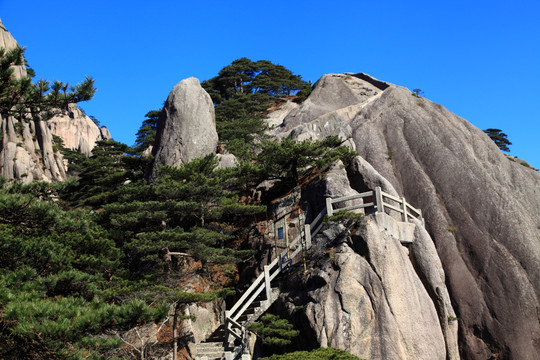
(221, 344)
(229, 341)
(210, 351)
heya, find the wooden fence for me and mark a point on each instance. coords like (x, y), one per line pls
(378, 200)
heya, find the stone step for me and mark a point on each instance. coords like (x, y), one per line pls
(210, 351)
(221, 337)
(210, 357)
(210, 344)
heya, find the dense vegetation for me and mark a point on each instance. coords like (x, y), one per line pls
(243, 92)
(317, 354)
(81, 262)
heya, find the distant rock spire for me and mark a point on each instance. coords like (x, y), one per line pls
(8, 42)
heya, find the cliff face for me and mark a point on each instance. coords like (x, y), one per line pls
(366, 297)
(28, 151)
(481, 209)
(376, 288)
(77, 131)
(8, 42)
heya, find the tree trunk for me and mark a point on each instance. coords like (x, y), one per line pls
(294, 170)
(175, 332)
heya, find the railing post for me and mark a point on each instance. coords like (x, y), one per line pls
(404, 208)
(329, 209)
(421, 217)
(307, 234)
(379, 199)
(267, 282)
(227, 330)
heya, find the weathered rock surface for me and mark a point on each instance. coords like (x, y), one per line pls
(275, 117)
(365, 296)
(28, 151)
(481, 209)
(8, 42)
(77, 130)
(364, 291)
(334, 102)
(186, 129)
(333, 92)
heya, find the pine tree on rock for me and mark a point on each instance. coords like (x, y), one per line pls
(24, 99)
(242, 93)
(146, 135)
(289, 160)
(499, 138)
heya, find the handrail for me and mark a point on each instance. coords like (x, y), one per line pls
(353, 197)
(247, 292)
(391, 197)
(258, 285)
(233, 322)
(405, 209)
(318, 219)
(264, 279)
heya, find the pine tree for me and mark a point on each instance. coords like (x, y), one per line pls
(100, 174)
(55, 265)
(275, 332)
(188, 211)
(24, 99)
(499, 138)
(242, 93)
(289, 160)
(146, 135)
(317, 354)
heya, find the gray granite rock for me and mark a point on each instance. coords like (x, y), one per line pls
(77, 131)
(8, 42)
(366, 297)
(332, 92)
(186, 129)
(482, 210)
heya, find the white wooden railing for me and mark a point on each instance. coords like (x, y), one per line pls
(382, 203)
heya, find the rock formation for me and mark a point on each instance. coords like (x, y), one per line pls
(481, 209)
(365, 292)
(8, 42)
(366, 297)
(186, 129)
(77, 131)
(28, 151)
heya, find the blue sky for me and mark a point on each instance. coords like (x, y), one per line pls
(480, 59)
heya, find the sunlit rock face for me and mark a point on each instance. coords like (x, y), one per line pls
(368, 290)
(186, 129)
(28, 151)
(482, 210)
(77, 131)
(8, 42)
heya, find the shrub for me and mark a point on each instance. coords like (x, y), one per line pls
(317, 354)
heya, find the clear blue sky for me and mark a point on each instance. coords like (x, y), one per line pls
(480, 59)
